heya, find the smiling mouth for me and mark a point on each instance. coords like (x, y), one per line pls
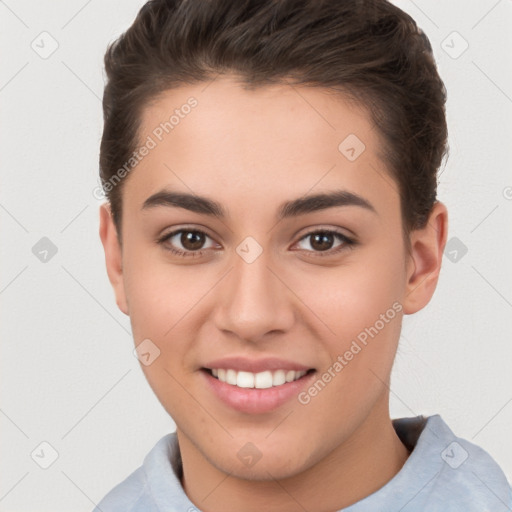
(262, 380)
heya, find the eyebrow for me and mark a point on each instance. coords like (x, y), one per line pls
(293, 208)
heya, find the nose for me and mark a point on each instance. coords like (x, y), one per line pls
(255, 302)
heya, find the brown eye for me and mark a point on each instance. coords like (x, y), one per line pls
(186, 242)
(192, 240)
(323, 241)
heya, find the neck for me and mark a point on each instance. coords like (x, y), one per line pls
(358, 467)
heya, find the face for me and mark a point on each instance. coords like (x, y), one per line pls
(233, 273)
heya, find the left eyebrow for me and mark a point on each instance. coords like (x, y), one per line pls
(293, 208)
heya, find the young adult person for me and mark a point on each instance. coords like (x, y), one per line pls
(271, 170)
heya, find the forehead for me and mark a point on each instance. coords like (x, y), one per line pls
(219, 138)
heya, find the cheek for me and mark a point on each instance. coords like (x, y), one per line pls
(361, 304)
(166, 306)
(352, 296)
(158, 294)
(368, 321)
(161, 298)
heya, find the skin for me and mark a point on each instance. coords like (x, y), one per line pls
(251, 151)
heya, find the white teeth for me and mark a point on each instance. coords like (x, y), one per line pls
(231, 377)
(261, 380)
(245, 380)
(278, 378)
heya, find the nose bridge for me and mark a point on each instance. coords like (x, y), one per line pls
(254, 300)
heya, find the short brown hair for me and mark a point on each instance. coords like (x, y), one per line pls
(369, 50)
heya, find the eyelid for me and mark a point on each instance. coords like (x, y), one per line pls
(314, 228)
(193, 228)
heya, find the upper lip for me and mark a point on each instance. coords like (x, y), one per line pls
(255, 365)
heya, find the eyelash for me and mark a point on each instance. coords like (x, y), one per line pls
(348, 243)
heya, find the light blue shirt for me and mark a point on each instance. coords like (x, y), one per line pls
(442, 474)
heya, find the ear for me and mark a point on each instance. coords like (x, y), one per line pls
(427, 247)
(113, 256)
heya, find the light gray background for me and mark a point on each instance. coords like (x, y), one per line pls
(69, 377)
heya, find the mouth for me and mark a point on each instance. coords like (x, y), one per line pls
(261, 380)
(256, 392)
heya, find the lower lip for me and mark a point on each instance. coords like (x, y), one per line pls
(256, 401)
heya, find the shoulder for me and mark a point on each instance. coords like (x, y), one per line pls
(459, 475)
(130, 495)
(136, 493)
(444, 473)
(470, 476)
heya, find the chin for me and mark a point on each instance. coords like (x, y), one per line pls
(265, 468)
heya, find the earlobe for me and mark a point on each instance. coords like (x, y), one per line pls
(113, 256)
(427, 247)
